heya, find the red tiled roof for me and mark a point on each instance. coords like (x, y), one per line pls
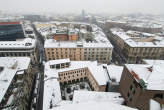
(8, 23)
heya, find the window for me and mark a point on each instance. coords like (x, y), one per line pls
(158, 96)
(133, 91)
(135, 83)
(128, 94)
(131, 87)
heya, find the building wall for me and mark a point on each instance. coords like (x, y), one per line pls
(65, 37)
(133, 93)
(102, 55)
(81, 74)
(109, 25)
(75, 54)
(32, 53)
(60, 37)
(69, 76)
(73, 37)
(135, 54)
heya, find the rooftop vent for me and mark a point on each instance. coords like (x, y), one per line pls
(28, 44)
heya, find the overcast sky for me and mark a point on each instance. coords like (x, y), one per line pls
(109, 6)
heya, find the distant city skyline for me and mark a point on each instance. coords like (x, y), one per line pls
(76, 6)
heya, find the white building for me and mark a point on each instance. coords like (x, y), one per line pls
(15, 82)
(23, 48)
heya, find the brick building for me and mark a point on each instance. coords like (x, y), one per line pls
(141, 83)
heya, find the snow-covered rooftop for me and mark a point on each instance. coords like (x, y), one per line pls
(140, 33)
(88, 96)
(59, 61)
(154, 62)
(52, 91)
(157, 41)
(115, 72)
(22, 62)
(26, 43)
(6, 77)
(96, 70)
(93, 106)
(50, 43)
(10, 65)
(152, 75)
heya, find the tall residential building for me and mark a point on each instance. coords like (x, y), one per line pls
(24, 48)
(135, 47)
(78, 51)
(16, 82)
(11, 31)
(142, 82)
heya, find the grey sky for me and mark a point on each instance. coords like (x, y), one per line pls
(110, 6)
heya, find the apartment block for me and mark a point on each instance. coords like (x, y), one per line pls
(148, 27)
(16, 82)
(23, 48)
(78, 51)
(141, 83)
(135, 47)
(76, 71)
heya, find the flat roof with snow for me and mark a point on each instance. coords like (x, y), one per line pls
(87, 96)
(157, 41)
(154, 62)
(59, 61)
(22, 62)
(26, 43)
(50, 43)
(152, 75)
(10, 66)
(115, 72)
(93, 106)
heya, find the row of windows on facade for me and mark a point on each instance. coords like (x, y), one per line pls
(25, 49)
(72, 76)
(79, 58)
(144, 49)
(75, 49)
(144, 53)
(80, 55)
(14, 54)
(89, 53)
(136, 85)
(73, 72)
(132, 90)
